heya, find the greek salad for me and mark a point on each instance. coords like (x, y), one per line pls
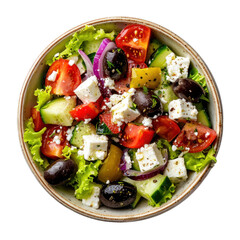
(120, 118)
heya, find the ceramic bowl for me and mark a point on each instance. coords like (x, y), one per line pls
(66, 196)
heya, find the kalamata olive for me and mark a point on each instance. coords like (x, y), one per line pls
(60, 171)
(118, 194)
(147, 102)
(115, 64)
(188, 89)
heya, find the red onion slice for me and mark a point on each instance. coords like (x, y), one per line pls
(105, 46)
(138, 176)
(123, 163)
(88, 63)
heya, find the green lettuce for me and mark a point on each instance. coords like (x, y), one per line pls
(163, 143)
(43, 95)
(196, 76)
(198, 161)
(88, 36)
(34, 140)
(83, 180)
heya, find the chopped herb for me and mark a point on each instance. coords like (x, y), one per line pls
(119, 72)
(119, 49)
(53, 133)
(145, 89)
(134, 106)
(110, 65)
(195, 130)
(136, 123)
(155, 96)
(154, 102)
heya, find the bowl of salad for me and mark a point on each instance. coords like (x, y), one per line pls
(120, 119)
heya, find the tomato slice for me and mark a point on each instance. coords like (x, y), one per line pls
(87, 111)
(136, 136)
(195, 137)
(54, 140)
(37, 120)
(166, 128)
(106, 117)
(123, 85)
(65, 78)
(134, 40)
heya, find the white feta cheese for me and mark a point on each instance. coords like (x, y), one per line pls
(52, 77)
(148, 157)
(147, 122)
(176, 170)
(56, 55)
(174, 148)
(56, 139)
(69, 133)
(88, 91)
(87, 120)
(177, 67)
(71, 62)
(127, 160)
(93, 200)
(181, 109)
(108, 82)
(95, 147)
(123, 112)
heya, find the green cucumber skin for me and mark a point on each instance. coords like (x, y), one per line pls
(158, 58)
(57, 111)
(81, 129)
(203, 118)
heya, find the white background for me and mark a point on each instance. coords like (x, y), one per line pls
(28, 211)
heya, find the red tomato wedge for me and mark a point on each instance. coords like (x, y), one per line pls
(106, 117)
(136, 136)
(63, 78)
(195, 137)
(122, 85)
(37, 120)
(87, 111)
(166, 128)
(54, 140)
(134, 40)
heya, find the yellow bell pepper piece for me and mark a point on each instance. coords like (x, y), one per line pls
(149, 77)
(110, 169)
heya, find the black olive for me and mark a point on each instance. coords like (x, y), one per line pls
(118, 194)
(188, 89)
(115, 64)
(148, 103)
(60, 171)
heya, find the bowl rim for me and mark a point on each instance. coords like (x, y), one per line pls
(100, 216)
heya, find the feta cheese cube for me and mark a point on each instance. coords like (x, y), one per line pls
(88, 91)
(181, 109)
(93, 200)
(52, 77)
(127, 160)
(147, 122)
(177, 67)
(95, 147)
(108, 82)
(149, 156)
(176, 170)
(123, 112)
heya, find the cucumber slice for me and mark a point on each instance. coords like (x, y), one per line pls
(153, 46)
(156, 190)
(57, 111)
(166, 95)
(132, 154)
(203, 118)
(79, 131)
(134, 204)
(158, 58)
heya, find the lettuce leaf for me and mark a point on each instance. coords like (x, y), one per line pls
(43, 95)
(34, 140)
(163, 143)
(196, 76)
(89, 36)
(198, 161)
(82, 181)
